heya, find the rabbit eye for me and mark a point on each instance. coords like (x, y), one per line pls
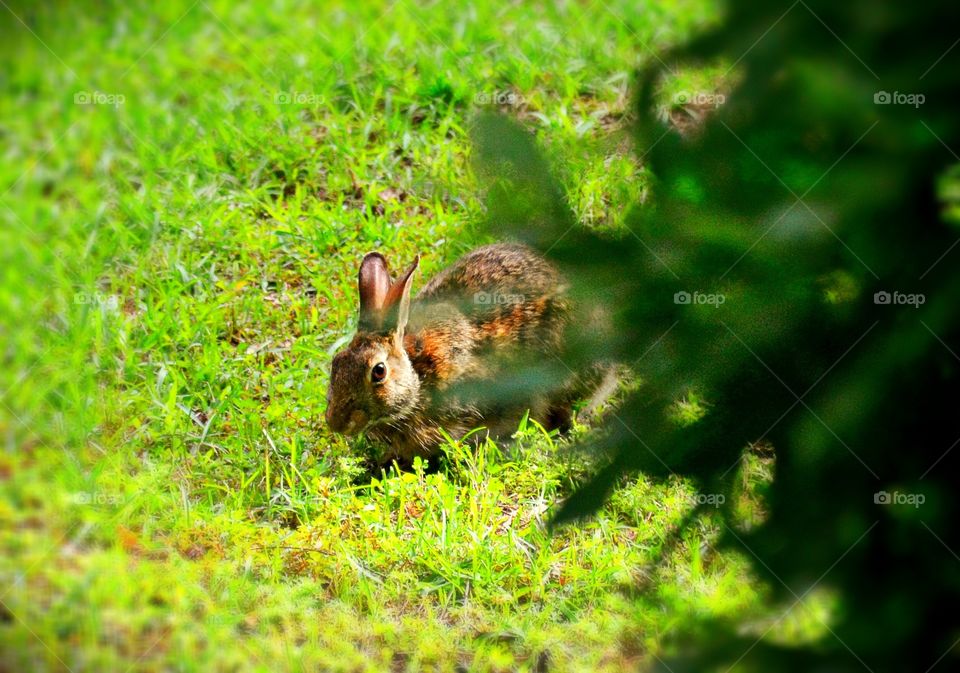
(378, 373)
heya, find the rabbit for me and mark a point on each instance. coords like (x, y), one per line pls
(416, 367)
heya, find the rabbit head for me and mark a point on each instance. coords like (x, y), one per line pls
(372, 380)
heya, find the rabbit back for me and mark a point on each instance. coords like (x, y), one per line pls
(507, 293)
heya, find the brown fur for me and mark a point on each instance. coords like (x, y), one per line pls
(479, 321)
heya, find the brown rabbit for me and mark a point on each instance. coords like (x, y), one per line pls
(444, 360)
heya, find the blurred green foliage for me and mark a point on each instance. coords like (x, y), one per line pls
(796, 266)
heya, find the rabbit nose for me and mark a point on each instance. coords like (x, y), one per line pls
(333, 420)
(345, 421)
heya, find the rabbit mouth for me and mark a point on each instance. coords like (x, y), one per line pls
(356, 423)
(359, 423)
(395, 420)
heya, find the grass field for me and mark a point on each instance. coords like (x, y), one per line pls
(186, 192)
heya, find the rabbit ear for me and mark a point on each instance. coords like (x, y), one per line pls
(397, 305)
(374, 285)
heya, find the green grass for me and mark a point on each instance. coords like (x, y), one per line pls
(178, 268)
